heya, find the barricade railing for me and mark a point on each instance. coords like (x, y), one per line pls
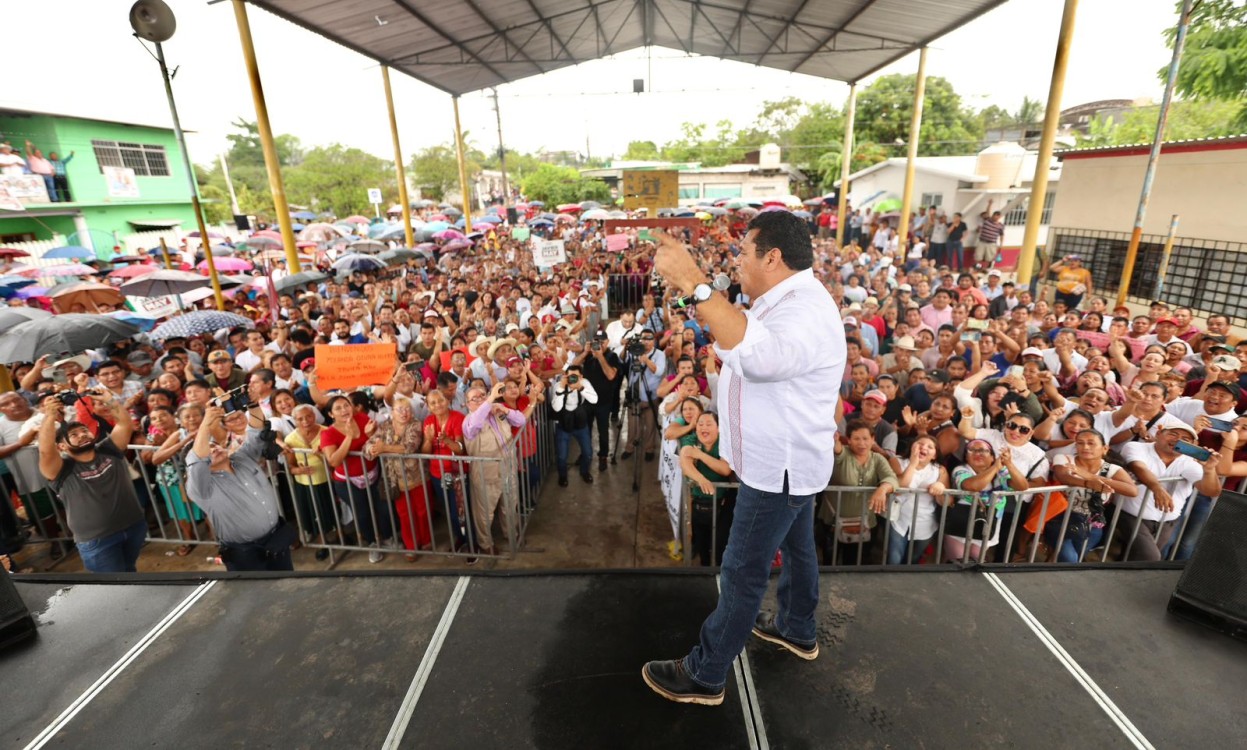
(913, 523)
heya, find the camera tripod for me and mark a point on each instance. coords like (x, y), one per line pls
(637, 387)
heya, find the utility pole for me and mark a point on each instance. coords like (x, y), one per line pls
(502, 152)
(233, 199)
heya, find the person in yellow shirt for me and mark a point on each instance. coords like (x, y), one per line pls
(1073, 282)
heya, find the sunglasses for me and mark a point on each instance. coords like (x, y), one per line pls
(1021, 428)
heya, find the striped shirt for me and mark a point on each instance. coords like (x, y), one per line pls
(991, 230)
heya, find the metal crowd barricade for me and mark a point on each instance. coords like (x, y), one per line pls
(1010, 534)
(624, 291)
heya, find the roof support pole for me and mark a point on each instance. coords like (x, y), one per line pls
(915, 125)
(846, 157)
(462, 151)
(1051, 121)
(271, 164)
(1132, 251)
(400, 172)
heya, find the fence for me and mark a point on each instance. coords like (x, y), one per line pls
(624, 291)
(1204, 275)
(849, 539)
(400, 499)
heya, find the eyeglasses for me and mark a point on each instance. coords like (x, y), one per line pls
(978, 450)
(1021, 428)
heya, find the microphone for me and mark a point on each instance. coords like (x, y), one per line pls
(719, 284)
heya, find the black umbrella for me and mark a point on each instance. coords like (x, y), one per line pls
(68, 333)
(299, 279)
(15, 316)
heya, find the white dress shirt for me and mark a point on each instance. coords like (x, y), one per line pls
(1186, 469)
(779, 386)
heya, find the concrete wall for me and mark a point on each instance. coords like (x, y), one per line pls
(1205, 187)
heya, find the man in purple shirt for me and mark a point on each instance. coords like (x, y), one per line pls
(940, 311)
(486, 432)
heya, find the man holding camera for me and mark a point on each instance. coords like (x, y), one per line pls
(646, 367)
(238, 498)
(601, 368)
(92, 479)
(572, 400)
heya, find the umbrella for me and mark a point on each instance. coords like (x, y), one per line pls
(540, 223)
(254, 242)
(356, 262)
(356, 219)
(393, 233)
(220, 250)
(164, 282)
(620, 214)
(445, 205)
(13, 282)
(457, 245)
(12, 252)
(65, 269)
(812, 202)
(488, 219)
(62, 334)
(69, 252)
(595, 214)
(31, 291)
(886, 205)
(427, 246)
(211, 235)
(590, 205)
(703, 216)
(195, 323)
(303, 215)
(538, 204)
(233, 282)
(271, 255)
(715, 210)
(15, 316)
(452, 211)
(142, 322)
(228, 264)
(683, 214)
(747, 211)
(299, 279)
(126, 259)
(367, 246)
(547, 215)
(89, 294)
(422, 203)
(395, 209)
(130, 272)
(271, 234)
(803, 214)
(433, 227)
(569, 208)
(568, 218)
(741, 203)
(448, 234)
(297, 227)
(319, 233)
(400, 255)
(772, 207)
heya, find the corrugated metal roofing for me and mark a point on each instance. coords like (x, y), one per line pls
(469, 45)
(1217, 140)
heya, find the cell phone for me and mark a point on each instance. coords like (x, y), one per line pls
(1220, 425)
(1192, 450)
(1016, 371)
(971, 336)
(416, 366)
(978, 325)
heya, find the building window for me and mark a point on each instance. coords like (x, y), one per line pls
(723, 191)
(932, 200)
(145, 159)
(690, 191)
(1016, 215)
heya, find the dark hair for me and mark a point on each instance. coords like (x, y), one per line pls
(62, 432)
(447, 378)
(163, 392)
(198, 383)
(694, 401)
(787, 233)
(301, 336)
(857, 424)
(267, 375)
(108, 364)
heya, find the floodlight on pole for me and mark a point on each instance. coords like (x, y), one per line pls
(154, 21)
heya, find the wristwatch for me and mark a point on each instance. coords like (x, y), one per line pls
(702, 292)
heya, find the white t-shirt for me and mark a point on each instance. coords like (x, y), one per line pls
(1028, 457)
(1187, 409)
(902, 512)
(1052, 361)
(1186, 469)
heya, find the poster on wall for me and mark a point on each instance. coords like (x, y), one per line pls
(23, 189)
(121, 182)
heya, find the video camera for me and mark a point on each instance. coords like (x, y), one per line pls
(634, 346)
(233, 400)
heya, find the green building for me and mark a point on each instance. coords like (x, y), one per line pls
(123, 178)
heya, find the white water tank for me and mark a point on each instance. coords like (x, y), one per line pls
(768, 156)
(1001, 164)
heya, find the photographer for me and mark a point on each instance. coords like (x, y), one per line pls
(94, 483)
(646, 368)
(572, 400)
(238, 498)
(602, 369)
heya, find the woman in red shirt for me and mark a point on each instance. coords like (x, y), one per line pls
(443, 436)
(357, 480)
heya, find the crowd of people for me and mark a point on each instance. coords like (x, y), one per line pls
(962, 397)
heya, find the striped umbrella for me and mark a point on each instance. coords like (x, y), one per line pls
(200, 321)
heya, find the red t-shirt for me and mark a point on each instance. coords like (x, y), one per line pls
(354, 466)
(452, 430)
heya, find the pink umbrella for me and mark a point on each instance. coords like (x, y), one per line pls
(130, 272)
(357, 219)
(227, 264)
(568, 218)
(64, 269)
(269, 234)
(449, 234)
(773, 207)
(457, 245)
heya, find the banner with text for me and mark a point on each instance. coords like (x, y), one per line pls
(549, 252)
(154, 307)
(1101, 341)
(351, 365)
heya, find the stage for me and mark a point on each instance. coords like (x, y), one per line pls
(923, 659)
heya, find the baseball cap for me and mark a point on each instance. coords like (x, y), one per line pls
(1184, 427)
(993, 272)
(1032, 351)
(939, 376)
(905, 288)
(308, 363)
(139, 358)
(218, 355)
(875, 395)
(1229, 388)
(1226, 362)
(1170, 321)
(512, 361)
(850, 321)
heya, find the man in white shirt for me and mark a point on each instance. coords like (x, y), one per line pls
(1216, 402)
(253, 356)
(1157, 505)
(782, 365)
(618, 330)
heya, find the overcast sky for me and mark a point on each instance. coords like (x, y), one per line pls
(88, 64)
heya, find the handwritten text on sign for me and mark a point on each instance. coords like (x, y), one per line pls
(353, 365)
(549, 252)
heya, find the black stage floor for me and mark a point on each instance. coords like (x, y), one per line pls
(1066, 659)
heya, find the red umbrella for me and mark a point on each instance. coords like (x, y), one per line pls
(130, 272)
(12, 252)
(569, 208)
(269, 233)
(356, 219)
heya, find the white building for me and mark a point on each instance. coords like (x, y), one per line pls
(769, 177)
(1001, 173)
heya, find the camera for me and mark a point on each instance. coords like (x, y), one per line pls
(596, 346)
(635, 347)
(234, 400)
(68, 398)
(573, 379)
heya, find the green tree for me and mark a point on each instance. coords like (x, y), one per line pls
(948, 126)
(435, 170)
(710, 150)
(641, 151)
(1214, 60)
(336, 178)
(1031, 112)
(1187, 120)
(994, 116)
(245, 149)
(554, 185)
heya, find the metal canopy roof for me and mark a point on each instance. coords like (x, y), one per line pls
(467, 45)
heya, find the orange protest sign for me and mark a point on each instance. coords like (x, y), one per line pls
(353, 365)
(447, 355)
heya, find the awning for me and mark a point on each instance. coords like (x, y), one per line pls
(156, 223)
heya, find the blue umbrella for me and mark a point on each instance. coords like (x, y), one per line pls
(70, 252)
(540, 223)
(143, 322)
(303, 215)
(436, 226)
(355, 262)
(15, 282)
(296, 227)
(538, 204)
(200, 321)
(488, 219)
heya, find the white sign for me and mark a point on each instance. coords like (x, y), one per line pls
(154, 307)
(121, 182)
(549, 252)
(374, 196)
(20, 189)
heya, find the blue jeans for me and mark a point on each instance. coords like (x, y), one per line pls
(1198, 509)
(460, 528)
(562, 440)
(115, 553)
(49, 182)
(898, 546)
(1070, 550)
(956, 255)
(762, 523)
(369, 507)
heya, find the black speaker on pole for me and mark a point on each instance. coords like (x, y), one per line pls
(513, 216)
(16, 624)
(242, 222)
(1213, 588)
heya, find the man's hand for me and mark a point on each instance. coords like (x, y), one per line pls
(496, 392)
(1163, 500)
(53, 409)
(213, 414)
(675, 263)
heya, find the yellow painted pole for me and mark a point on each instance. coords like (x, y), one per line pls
(463, 170)
(401, 173)
(1051, 121)
(164, 252)
(915, 125)
(846, 157)
(273, 166)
